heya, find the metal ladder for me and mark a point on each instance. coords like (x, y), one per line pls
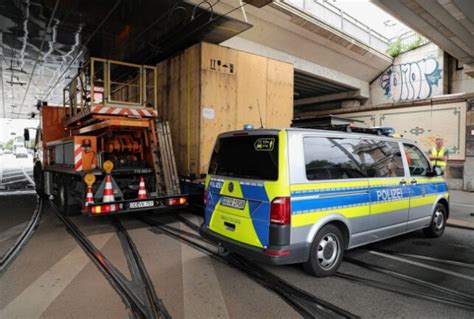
(167, 181)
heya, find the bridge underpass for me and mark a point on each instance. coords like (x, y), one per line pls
(71, 266)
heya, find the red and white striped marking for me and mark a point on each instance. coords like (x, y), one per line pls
(78, 157)
(109, 192)
(89, 196)
(123, 111)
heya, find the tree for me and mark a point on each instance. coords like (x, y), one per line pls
(9, 144)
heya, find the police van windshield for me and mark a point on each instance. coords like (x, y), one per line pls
(250, 156)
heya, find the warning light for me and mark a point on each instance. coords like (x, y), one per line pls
(89, 179)
(108, 166)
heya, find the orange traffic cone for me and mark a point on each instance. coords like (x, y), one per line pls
(142, 190)
(89, 196)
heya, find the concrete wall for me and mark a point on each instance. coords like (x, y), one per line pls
(469, 163)
(462, 80)
(424, 124)
(414, 75)
(425, 121)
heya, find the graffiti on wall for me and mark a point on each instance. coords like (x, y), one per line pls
(411, 80)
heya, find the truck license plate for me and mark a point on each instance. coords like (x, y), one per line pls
(233, 202)
(143, 204)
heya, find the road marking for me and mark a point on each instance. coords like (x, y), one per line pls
(464, 205)
(16, 181)
(198, 276)
(12, 232)
(36, 298)
(1, 170)
(442, 261)
(27, 192)
(27, 176)
(449, 272)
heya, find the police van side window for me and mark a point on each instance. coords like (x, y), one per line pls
(380, 158)
(329, 158)
(417, 162)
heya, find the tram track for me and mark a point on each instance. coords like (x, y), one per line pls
(427, 258)
(449, 296)
(23, 239)
(458, 298)
(419, 294)
(308, 305)
(138, 294)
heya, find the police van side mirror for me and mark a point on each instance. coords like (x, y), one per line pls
(438, 171)
(435, 171)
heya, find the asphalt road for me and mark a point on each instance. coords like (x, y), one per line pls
(53, 278)
(16, 174)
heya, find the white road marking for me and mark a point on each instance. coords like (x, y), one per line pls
(442, 261)
(411, 262)
(12, 232)
(37, 297)
(27, 176)
(198, 276)
(27, 192)
(464, 205)
(1, 170)
(16, 181)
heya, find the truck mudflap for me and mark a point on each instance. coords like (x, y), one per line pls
(135, 205)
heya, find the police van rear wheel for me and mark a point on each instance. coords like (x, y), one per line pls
(326, 252)
(438, 222)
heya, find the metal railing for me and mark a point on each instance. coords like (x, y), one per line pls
(339, 19)
(410, 37)
(108, 82)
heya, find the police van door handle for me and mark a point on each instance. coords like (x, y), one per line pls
(403, 182)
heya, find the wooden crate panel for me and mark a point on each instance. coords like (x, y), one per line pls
(209, 89)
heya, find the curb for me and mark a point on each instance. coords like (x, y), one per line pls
(458, 223)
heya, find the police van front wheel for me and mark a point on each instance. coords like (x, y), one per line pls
(438, 222)
(327, 251)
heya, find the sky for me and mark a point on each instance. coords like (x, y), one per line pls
(371, 15)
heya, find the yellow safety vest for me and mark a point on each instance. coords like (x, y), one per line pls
(436, 153)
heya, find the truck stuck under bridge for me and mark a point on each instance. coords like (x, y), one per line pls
(107, 124)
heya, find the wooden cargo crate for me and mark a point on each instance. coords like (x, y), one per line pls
(209, 89)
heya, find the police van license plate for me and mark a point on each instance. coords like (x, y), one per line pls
(142, 204)
(233, 202)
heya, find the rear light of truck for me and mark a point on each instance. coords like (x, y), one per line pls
(280, 211)
(104, 209)
(176, 201)
(205, 198)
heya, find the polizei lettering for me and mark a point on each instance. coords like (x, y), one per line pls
(389, 194)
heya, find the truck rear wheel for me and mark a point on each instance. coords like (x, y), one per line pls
(63, 198)
(38, 176)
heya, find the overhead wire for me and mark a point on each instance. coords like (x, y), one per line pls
(81, 51)
(38, 57)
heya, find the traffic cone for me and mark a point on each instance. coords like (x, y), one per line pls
(109, 192)
(89, 196)
(142, 190)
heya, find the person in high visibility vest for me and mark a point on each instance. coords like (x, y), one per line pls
(439, 154)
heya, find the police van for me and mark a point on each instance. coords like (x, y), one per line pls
(305, 196)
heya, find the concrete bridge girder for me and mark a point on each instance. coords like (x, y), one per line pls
(283, 32)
